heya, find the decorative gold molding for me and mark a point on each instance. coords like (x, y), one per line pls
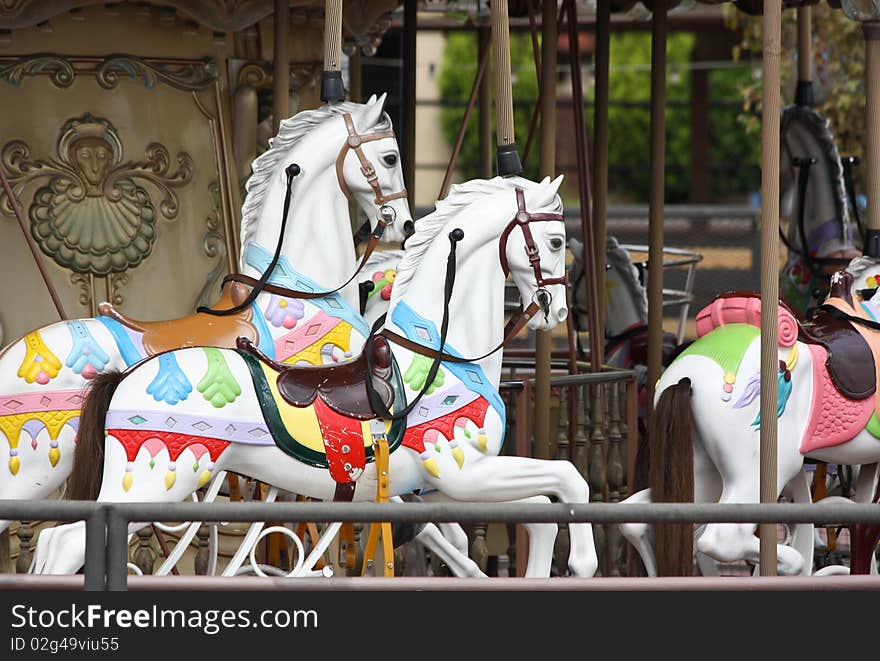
(185, 75)
(90, 185)
(259, 75)
(214, 247)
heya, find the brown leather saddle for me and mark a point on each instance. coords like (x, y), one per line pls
(195, 330)
(850, 362)
(342, 387)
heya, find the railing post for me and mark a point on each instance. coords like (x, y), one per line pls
(117, 550)
(96, 544)
(596, 464)
(563, 443)
(25, 535)
(614, 544)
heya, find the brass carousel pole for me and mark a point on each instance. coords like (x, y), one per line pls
(506, 154)
(281, 64)
(772, 102)
(656, 197)
(871, 30)
(804, 93)
(332, 87)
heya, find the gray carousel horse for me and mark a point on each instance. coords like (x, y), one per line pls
(814, 185)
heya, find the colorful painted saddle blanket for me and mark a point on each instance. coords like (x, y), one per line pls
(320, 415)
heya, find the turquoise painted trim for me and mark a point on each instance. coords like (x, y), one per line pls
(126, 347)
(868, 310)
(415, 327)
(170, 385)
(85, 349)
(264, 335)
(286, 276)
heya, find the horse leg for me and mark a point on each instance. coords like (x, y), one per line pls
(639, 534)
(542, 537)
(505, 479)
(460, 564)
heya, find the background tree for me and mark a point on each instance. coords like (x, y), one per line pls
(838, 71)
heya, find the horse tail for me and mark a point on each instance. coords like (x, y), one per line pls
(88, 458)
(666, 463)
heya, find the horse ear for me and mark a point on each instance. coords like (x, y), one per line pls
(371, 114)
(371, 100)
(556, 183)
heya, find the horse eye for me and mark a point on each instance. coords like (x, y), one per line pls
(556, 243)
(390, 160)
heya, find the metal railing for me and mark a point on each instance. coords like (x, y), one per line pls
(107, 524)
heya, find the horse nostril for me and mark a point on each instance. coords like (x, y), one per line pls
(562, 314)
(409, 228)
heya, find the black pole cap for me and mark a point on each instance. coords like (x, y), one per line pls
(508, 161)
(872, 243)
(804, 94)
(332, 87)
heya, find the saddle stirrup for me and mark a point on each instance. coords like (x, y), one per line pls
(381, 454)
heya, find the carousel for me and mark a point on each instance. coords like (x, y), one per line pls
(223, 295)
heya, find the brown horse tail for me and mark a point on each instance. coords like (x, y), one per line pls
(670, 475)
(88, 459)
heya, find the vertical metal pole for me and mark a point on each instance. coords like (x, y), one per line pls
(117, 551)
(332, 88)
(547, 168)
(772, 103)
(656, 197)
(506, 153)
(583, 165)
(281, 64)
(600, 148)
(804, 90)
(95, 568)
(485, 100)
(410, 34)
(871, 31)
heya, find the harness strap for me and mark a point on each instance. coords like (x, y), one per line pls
(375, 237)
(381, 455)
(354, 142)
(522, 220)
(513, 327)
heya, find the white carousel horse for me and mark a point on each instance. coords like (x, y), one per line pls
(821, 237)
(707, 418)
(43, 375)
(453, 434)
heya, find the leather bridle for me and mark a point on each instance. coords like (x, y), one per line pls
(353, 143)
(386, 218)
(541, 299)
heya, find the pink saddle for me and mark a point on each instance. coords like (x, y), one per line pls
(834, 418)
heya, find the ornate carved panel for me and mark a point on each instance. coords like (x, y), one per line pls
(120, 164)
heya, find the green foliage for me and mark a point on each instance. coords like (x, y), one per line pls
(838, 66)
(733, 155)
(456, 79)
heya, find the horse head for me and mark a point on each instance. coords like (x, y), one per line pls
(626, 299)
(343, 151)
(820, 236)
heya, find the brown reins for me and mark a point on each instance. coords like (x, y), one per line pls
(386, 218)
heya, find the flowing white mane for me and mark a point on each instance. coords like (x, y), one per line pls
(427, 228)
(820, 128)
(289, 133)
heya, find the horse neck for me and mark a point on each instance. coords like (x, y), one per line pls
(318, 240)
(622, 311)
(476, 309)
(822, 221)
